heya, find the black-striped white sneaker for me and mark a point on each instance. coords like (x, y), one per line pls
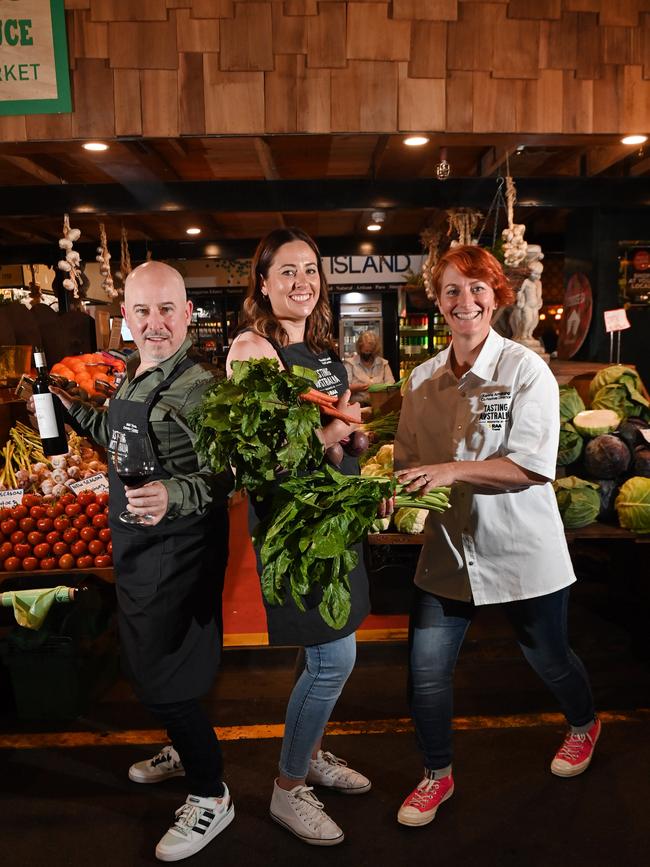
(167, 763)
(197, 822)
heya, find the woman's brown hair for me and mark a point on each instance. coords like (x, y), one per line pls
(474, 262)
(258, 313)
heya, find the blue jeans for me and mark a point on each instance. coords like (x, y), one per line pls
(438, 627)
(327, 667)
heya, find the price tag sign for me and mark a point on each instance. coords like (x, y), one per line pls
(616, 320)
(97, 483)
(13, 497)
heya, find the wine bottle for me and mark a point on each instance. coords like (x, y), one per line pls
(49, 410)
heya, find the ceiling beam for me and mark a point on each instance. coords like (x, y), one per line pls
(32, 168)
(600, 159)
(493, 159)
(378, 155)
(317, 195)
(265, 157)
(640, 168)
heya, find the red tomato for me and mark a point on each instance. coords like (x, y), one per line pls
(102, 500)
(36, 512)
(70, 535)
(84, 498)
(8, 525)
(53, 537)
(59, 549)
(61, 523)
(18, 536)
(35, 538)
(88, 534)
(27, 524)
(42, 550)
(44, 524)
(66, 499)
(102, 561)
(109, 548)
(66, 561)
(5, 514)
(29, 564)
(19, 512)
(49, 563)
(72, 510)
(22, 550)
(3, 538)
(84, 562)
(12, 564)
(78, 548)
(6, 550)
(93, 509)
(104, 534)
(54, 510)
(80, 521)
(100, 521)
(96, 547)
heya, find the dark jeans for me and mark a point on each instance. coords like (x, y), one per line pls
(438, 627)
(195, 741)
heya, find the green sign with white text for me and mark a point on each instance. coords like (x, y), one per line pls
(34, 76)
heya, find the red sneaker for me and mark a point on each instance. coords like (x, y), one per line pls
(574, 755)
(422, 804)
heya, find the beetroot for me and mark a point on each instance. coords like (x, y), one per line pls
(606, 457)
(334, 455)
(642, 462)
(357, 443)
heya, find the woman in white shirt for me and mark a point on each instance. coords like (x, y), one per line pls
(483, 417)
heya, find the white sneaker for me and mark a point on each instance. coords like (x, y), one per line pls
(300, 812)
(326, 770)
(163, 766)
(197, 822)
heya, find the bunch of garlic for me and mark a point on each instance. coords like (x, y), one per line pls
(514, 246)
(104, 258)
(71, 264)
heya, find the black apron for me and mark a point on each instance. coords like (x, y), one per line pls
(286, 624)
(169, 580)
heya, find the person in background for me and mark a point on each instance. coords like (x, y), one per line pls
(483, 417)
(367, 367)
(287, 317)
(169, 572)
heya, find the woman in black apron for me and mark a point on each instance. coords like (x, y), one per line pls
(287, 317)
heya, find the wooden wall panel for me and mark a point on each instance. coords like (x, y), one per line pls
(128, 10)
(428, 50)
(426, 10)
(196, 34)
(234, 101)
(254, 66)
(245, 39)
(371, 35)
(420, 102)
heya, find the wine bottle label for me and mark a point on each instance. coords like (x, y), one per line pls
(45, 416)
(39, 359)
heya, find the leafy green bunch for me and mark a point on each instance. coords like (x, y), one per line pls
(255, 423)
(306, 540)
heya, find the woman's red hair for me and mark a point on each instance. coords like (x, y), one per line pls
(478, 263)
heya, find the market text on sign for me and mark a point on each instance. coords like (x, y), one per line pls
(15, 31)
(19, 72)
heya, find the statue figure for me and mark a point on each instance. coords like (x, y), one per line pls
(525, 313)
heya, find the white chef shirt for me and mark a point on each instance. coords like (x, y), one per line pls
(488, 547)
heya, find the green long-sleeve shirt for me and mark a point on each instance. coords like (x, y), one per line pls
(190, 491)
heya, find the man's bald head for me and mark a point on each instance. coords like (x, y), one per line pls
(156, 310)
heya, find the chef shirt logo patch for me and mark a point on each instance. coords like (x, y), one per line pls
(496, 408)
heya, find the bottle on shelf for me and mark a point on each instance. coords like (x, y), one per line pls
(49, 410)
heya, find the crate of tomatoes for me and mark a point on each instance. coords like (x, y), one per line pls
(69, 532)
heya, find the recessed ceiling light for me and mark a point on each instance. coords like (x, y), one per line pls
(193, 230)
(634, 139)
(415, 141)
(95, 146)
(373, 227)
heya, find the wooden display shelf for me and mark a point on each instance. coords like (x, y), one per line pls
(106, 574)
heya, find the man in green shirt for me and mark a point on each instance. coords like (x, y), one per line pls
(170, 566)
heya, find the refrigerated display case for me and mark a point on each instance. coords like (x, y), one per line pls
(355, 317)
(421, 336)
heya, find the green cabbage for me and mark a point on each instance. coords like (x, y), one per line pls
(410, 520)
(570, 402)
(380, 525)
(620, 389)
(577, 500)
(594, 422)
(570, 447)
(633, 505)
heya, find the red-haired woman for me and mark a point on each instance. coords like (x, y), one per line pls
(483, 417)
(287, 317)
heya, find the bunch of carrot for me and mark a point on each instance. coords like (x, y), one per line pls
(327, 405)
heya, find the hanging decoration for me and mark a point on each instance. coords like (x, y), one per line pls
(432, 240)
(125, 258)
(443, 169)
(514, 246)
(463, 222)
(71, 265)
(104, 258)
(35, 293)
